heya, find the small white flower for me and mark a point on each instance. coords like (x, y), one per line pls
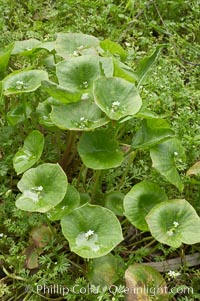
(173, 274)
(127, 44)
(80, 47)
(19, 84)
(116, 104)
(170, 232)
(40, 188)
(1, 234)
(63, 207)
(75, 53)
(176, 224)
(82, 118)
(175, 154)
(85, 96)
(89, 233)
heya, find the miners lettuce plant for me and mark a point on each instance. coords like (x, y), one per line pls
(90, 93)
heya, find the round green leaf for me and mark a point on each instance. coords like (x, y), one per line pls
(69, 203)
(140, 200)
(114, 202)
(23, 81)
(75, 44)
(25, 47)
(92, 231)
(43, 111)
(98, 150)
(78, 74)
(42, 188)
(113, 48)
(164, 156)
(145, 283)
(103, 271)
(116, 97)
(174, 222)
(80, 116)
(30, 153)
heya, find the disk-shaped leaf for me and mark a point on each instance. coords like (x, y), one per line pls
(152, 132)
(103, 271)
(140, 200)
(25, 47)
(80, 116)
(75, 44)
(79, 73)
(69, 203)
(42, 188)
(144, 283)
(4, 59)
(92, 231)
(23, 81)
(113, 48)
(174, 222)
(30, 153)
(164, 158)
(61, 93)
(98, 150)
(114, 202)
(43, 111)
(116, 97)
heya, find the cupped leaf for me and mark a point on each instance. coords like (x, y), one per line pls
(42, 188)
(61, 93)
(174, 222)
(114, 48)
(116, 97)
(4, 59)
(80, 116)
(25, 47)
(164, 158)
(152, 132)
(146, 65)
(140, 200)
(92, 231)
(68, 204)
(16, 114)
(99, 151)
(30, 153)
(43, 111)
(23, 81)
(103, 271)
(145, 283)
(114, 202)
(76, 44)
(78, 74)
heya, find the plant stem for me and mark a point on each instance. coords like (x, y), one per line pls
(131, 158)
(70, 142)
(13, 276)
(96, 183)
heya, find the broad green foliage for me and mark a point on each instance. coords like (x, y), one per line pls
(103, 270)
(4, 59)
(92, 231)
(152, 132)
(30, 153)
(174, 222)
(89, 91)
(99, 151)
(116, 97)
(42, 188)
(81, 116)
(68, 204)
(139, 277)
(23, 81)
(164, 158)
(140, 200)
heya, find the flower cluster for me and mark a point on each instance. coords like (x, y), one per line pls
(172, 230)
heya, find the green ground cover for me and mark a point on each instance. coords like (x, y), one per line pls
(128, 190)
